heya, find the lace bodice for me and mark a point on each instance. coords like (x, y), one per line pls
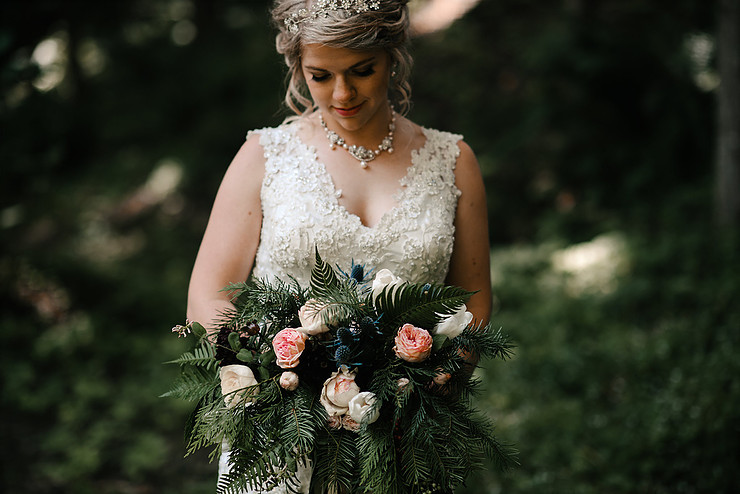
(301, 212)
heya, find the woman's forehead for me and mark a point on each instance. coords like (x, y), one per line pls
(323, 56)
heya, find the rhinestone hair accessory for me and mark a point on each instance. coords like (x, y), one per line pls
(323, 7)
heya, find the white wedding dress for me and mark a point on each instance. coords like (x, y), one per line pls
(301, 213)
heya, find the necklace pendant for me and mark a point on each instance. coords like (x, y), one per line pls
(363, 164)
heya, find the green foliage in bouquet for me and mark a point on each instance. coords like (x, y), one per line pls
(366, 384)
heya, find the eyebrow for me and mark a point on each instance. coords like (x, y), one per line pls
(358, 64)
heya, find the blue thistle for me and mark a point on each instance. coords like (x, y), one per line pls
(345, 336)
(342, 354)
(358, 272)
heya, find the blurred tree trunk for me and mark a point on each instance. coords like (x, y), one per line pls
(728, 102)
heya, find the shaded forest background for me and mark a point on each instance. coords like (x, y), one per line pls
(594, 123)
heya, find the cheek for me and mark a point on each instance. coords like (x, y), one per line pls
(319, 92)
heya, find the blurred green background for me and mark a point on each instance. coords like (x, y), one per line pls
(594, 123)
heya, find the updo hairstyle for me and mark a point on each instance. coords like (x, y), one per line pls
(386, 28)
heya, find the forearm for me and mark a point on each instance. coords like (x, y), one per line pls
(207, 310)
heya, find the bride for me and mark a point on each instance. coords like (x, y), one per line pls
(349, 175)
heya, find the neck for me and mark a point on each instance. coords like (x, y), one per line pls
(358, 151)
(370, 134)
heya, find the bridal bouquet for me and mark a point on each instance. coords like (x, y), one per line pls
(364, 380)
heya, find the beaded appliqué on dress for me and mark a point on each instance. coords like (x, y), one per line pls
(414, 239)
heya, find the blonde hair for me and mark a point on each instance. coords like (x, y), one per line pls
(386, 28)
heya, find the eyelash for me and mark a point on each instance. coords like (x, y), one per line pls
(367, 72)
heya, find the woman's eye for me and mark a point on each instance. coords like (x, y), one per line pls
(319, 77)
(366, 72)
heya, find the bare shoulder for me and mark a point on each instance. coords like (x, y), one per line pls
(467, 170)
(250, 159)
(240, 186)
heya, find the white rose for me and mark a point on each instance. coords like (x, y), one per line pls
(235, 378)
(289, 380)
(453, 325)
(338, 391)
(384, 278)
(311, 322)
(361, 408)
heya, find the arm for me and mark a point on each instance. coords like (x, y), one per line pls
(226, 254)
(470, 262)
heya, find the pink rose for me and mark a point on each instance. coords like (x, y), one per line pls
(413, 344)
(289, 380)
(288, 345)
(338, 391)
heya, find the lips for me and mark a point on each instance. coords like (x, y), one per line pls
(348, 112)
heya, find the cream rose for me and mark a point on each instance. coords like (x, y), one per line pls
(453, 325)
(235, 378)
(338, 391)
(289, 380)
(288, 345)
(413, 344)
(311, 322)
(361, 408)
(384, 278)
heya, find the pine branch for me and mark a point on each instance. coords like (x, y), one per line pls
(377, 459)
(336, 465)
(258, 300)
(299, 430)
(193, 384)
(486, 342)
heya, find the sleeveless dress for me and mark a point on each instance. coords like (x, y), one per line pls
(301, 213)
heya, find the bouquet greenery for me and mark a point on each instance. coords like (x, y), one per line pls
(363, 380)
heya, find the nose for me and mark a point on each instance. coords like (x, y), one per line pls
(343, 92)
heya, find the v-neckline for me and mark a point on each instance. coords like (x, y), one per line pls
(402, 184)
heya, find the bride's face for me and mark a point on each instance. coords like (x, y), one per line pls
(350, 87)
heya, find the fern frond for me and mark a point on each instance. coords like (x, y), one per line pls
(338, 303)
(420, 305)
(323, 277)
(201, 356)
